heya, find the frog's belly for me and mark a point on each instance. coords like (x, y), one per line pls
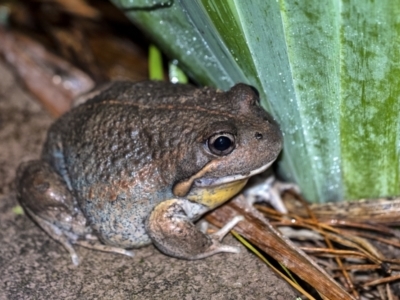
(122, 228)
(118, 218)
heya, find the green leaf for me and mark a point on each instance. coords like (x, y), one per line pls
(200, 54)
(370, 92)
(328, 71)
(176, 75)
(18, 210)
(155, 64)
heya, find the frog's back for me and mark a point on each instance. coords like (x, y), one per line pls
(143, 93)
(128, 130)
(115, 139)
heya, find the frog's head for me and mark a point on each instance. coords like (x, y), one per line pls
(236, 140)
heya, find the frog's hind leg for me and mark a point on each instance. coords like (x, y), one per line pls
(172, 231)
(46, 198)
(95, 244)
(68, 239)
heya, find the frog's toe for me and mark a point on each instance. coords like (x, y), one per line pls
(95, 244)
(75, 259)
(228, 249)
(220, 234)
(203, 226)
(269, 191)
(129, 253)
(215, 248)
(219, 248)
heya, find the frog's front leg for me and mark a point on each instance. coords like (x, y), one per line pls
(171, 229)
(46, 198)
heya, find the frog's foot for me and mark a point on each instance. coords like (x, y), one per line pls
(172, 231)
(46, 198)
(269, 191)
(96, 245)
(68, 239)
(57, 234)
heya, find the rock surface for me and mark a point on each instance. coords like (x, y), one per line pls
(33, 266)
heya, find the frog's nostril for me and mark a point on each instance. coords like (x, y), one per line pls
(258, 136)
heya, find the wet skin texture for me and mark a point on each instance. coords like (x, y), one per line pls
(139, 162)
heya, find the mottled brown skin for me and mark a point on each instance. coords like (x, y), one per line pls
(122, 166)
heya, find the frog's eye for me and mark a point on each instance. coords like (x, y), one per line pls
(221, 143)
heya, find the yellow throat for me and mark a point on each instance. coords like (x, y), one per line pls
(213, 196)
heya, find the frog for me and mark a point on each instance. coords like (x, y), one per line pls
(140, 163)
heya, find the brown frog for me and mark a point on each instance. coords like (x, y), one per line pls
(139, 162)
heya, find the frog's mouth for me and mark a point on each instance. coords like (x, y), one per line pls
(212, 192)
